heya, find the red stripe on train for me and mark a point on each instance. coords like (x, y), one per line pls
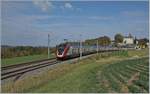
(65, 51)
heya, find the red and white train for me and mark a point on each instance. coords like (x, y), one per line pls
(71, 50)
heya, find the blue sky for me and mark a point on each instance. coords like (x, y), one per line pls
(29, 22)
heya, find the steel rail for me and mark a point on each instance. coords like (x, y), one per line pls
(26, 69)
(23, 64)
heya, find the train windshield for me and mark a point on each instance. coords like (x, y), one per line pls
(61, 48)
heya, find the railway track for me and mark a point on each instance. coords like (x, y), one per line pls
(19, 69)
(23, 64)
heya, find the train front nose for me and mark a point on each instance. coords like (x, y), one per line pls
(60, 51)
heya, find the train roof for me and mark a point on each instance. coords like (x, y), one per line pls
(77, 44)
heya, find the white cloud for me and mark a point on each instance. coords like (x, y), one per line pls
(68, 5)
(45, 5)
(101, 17)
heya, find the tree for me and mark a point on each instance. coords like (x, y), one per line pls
(90, 42)
(146, 40)
(104, 41)
(143, 42)
(118, 38)
(9, 51)
(135, 40)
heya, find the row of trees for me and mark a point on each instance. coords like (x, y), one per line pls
(8, 51)
(105, 40)
(118, 38)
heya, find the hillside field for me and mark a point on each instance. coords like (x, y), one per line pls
(97, 74)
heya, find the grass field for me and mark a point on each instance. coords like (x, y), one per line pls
(23, 59)
(118, 77)
(138, 52)
(103, 73)
(126, 76)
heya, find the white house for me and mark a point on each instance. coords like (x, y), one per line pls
(128, 40)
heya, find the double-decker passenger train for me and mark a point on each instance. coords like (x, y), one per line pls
(71, 50)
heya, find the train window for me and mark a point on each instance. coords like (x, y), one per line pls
(61, 48)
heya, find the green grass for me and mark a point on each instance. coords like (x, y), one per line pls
(72, 82)
(84, 79)
(119, 71)
(139, 53)
(23, 59)
(119, 53)
(95, 74)
(66, 77)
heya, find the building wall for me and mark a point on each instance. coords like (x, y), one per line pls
(128, 40)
